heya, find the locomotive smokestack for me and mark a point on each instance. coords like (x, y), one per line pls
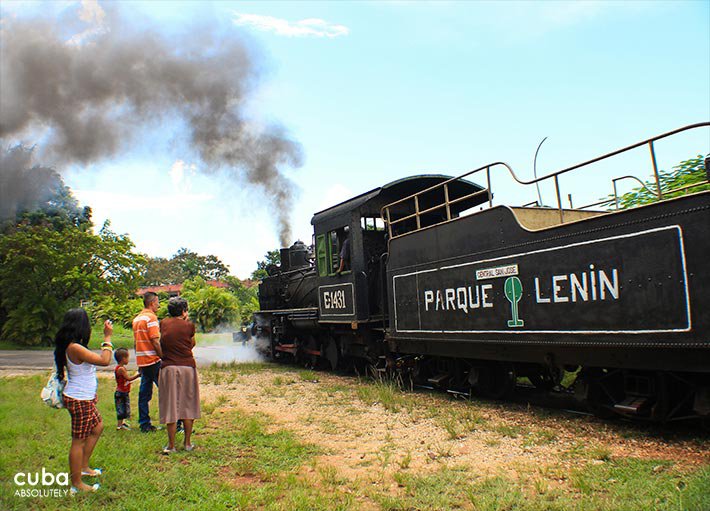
(87, 95)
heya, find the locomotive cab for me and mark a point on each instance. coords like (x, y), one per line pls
(351, 244)
(336, 309)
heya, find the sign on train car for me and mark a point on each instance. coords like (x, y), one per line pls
(336, 300)
(632, 284)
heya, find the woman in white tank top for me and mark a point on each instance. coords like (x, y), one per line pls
(81, 380)
(75, 361)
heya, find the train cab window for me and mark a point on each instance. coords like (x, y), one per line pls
(333, 252)
(322, 255)
(373, 238)
(372, 224)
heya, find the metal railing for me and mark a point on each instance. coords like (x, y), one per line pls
(387, 211)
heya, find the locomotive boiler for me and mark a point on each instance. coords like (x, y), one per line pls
(427, 276)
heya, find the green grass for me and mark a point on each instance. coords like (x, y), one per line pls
(121, 338)
(386, 393)
(308, 375)
(244, 463)
(437, 491)
(639, 484)
(627, 485)
(8, 345)
(509, 430)
(459, 422)
(231, 448)
(540, 437)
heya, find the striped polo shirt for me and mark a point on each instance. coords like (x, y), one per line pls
(145, 328)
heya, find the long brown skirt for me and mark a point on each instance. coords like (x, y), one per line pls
(179, 394)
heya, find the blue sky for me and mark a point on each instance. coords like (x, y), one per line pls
(378, 91)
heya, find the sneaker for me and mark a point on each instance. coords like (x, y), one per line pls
(180, 428)
(123, 426)
(148, 429)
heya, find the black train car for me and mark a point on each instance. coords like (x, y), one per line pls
(319, 311)
(622, 295)
(476, 301)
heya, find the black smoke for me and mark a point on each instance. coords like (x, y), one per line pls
(25, 186)
(86, 97)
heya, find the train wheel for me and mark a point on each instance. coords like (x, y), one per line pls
(330, 352)
(494, 381)
(546, 380)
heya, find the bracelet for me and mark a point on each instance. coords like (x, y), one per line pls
(106, 346)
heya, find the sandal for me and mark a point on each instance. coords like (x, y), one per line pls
(190, 447)
(97, 472)
(74, 490)
(167, 451)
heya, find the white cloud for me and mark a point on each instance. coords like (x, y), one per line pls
(92, 14)
(180, 174)
(310, 27)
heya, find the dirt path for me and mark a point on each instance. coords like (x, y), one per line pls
(367, 441)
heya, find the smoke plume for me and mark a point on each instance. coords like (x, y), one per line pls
(87, 95)
(25, 186)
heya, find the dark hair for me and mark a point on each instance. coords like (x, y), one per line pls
(176, 306)
(149, 298)
(119, 354)
(75, 328)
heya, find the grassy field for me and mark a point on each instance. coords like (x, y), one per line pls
(123, 338)
(245, 461)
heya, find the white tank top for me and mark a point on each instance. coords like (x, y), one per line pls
(81, 381)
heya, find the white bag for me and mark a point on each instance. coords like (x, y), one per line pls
(52, 392)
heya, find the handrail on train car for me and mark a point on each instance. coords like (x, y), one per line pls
(385, 212)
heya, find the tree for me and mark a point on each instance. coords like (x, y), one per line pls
(685, 173)
(210, 306)
(160, 271)
(247, 296)
(271, 258)
(60, 211)
(238, 289)
(32, 193)
(185, 264)
(44, 271)
(118, 309)
(194, 265)
(248, 308)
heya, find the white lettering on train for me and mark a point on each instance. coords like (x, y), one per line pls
(460, 298)
(334, 299)
(584, 286)
(587, 286)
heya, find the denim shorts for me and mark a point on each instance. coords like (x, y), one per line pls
(123, 405)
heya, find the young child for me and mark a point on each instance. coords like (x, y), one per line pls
(122, 396)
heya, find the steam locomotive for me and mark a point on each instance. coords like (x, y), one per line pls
(426, 276)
